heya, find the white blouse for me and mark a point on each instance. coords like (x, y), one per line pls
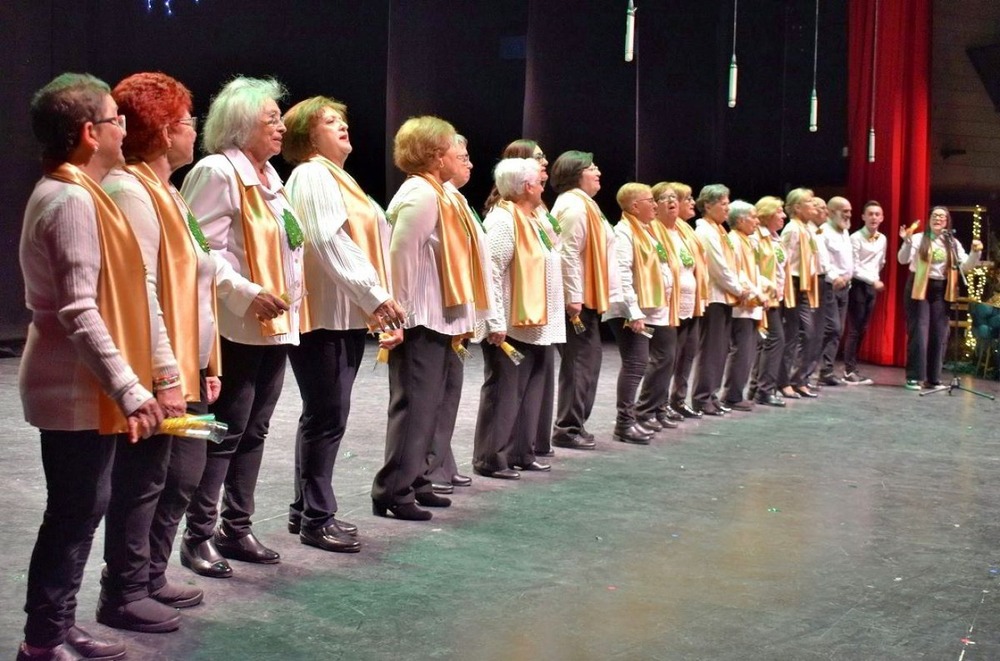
(414, 252)
(688, 282)
(500, 232)
(344, 288)
(571, 212)
(869, 256)
(909, 252)
(212, 190)
(68, 345)
(629, 308)
(722, 278)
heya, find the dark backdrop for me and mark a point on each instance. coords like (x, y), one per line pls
(552, 70)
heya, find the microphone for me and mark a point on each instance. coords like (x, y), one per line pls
(630, 31)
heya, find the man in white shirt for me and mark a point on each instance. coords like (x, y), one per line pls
(868, 247)
(839, 271)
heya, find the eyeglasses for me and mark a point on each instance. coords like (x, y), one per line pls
(539, 157)
(591, 168)
(274, 121)
(464, 158)
(118, 119)
(646, 199)
(667, 198)
(189, 121)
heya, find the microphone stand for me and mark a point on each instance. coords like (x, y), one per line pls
(955, 383)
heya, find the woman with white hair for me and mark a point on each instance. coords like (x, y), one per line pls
(514, 412)
(237, 197)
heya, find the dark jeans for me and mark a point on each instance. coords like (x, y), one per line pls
(634, 351)
(511, 406)
(137, 480)
(578, 374)
(742, 351)
(252, 377)
(187, 463)
(713, 346)
(687, 350)
(418, 377)
(764, 379)
(860, 304)
(834, 316)
(77, 467)
(926, 332)
(325, 365)
(654, 395)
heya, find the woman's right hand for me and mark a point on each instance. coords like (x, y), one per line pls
(266, 306)
(143, 421)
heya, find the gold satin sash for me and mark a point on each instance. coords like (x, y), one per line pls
(122, 300)
(647, 280)
(767, 262)
(596, 285)
(729, 252)
(528, 291)
(262, 247)
(922, 274)
(462, 277)
(808, 279)
(697, 252)
(659, 231)
(177, 280)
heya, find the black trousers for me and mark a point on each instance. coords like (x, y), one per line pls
(441, 464)
(654, 395)
(860, 303)
(834, 316)
(511, 406)
(138, 477)
(800, 328)
(251, 384)
(764, 379)
(418, 380)
(742, 351)
(578, 374)
(77, 467)
(713, 347)
(687, 350)
(325, 365)
(633, 348)
(926, 331)
(184, 471)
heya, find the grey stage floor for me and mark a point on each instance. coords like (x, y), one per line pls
(861, 525)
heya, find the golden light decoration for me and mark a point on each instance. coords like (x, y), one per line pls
(977, 281)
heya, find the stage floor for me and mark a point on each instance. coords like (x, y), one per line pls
(858, 525)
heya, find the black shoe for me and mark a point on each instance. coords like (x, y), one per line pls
(346, 527)
(442, 487)
(177, 596)
(789, 392)
(204, 559)
(651, 425)
(830, 380)
(433, 500)
(545, 453)
(295, 525)
(587, 436)
(804, 391)
(574, 443)
(57, 653)
(686, 410)
(769, 400)
(403, 512)
(670, 414)
(503, 474)
(245, 549)
(143, 615)
(330, 538)
(711, 409)
(723, 407)
(632, 434)
(89, 647)
(534, 466)
(742, 405)
(662, 421)
(461, 480)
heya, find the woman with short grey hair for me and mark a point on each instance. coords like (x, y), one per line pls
(238, 200)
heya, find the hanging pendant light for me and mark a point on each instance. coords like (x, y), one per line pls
(874, 72)
(813, 98)
(733, 70)
(630, 31)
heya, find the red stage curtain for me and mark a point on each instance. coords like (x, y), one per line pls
(900, 176)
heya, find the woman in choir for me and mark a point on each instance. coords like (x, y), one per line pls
(641, 323)
(673, 207)
(346, 275)
(771, 262)
(87, 376)
(520, 148)
(802, 292)
(515, 403)
(238, 199)
(747, 315)
(935, 257)
(440, 275)
(590, 283)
